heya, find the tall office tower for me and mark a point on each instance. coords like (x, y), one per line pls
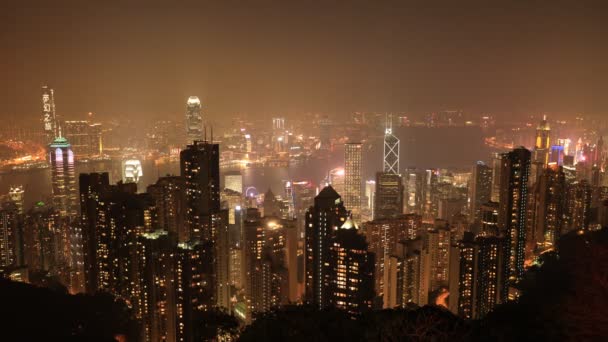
(9, 235)
(16, 195)
(194, 119)
(542, 143)
(156, 304)
(383, 236)
(222, 244)
(322, 220)
(336, 179)
(389, 195)
(92, 186)
(549, 210)
(279, 139)
(169, 195)
(579, 205)
(489, 219)
(557, 155)
(413, 182)
(63, 177)
(496, 178)
(370, 191)
(200, 168)
(233, 180)
(352, 178)
(436, 258)
(391, 148)
(512, 215)
(430, 195)
(351, 268)
(49, 118)
(480, 275)
(84, 137)
(480, 190)
(325, 134)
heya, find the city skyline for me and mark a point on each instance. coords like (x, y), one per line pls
(324, 171)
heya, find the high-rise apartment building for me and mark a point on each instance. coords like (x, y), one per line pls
(169, 195)
(322, 220)
(512, 215)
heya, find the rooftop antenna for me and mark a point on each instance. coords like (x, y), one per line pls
(204, 132)
(211, 133)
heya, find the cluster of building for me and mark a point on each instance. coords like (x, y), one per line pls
(187, 245)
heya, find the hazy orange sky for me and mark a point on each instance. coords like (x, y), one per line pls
(146, 57)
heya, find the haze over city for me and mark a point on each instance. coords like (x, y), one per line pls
(142, 58)
(316, 171)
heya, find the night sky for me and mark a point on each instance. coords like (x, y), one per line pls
(144, 58)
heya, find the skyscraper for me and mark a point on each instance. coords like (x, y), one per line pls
(480, 189)
(233, 180)
(9, 235)
(169, 195)
(16, 194)
(389, 195)
(194, 119)
(63, 177)
(550, 204)
(92, 186)
(351, 268)
(49, 118)
(200, 169)
(512, 215)
(542, 144)
(391, 148)
(352, 178)
(322, 220)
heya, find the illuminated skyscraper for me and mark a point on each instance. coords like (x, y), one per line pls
(92, 186)
(49, 118)
(512, 215)
(131, 171)
(389, 195)
(480, 275)
(84, 136)
(169, 195)
(201, 172)
(391, 148)
(480, 190)
(489, 219)
(233, 180)
(352, 178)
(351, 270)
(336, 179)
(9, 235)
(322, 220)
(579, 205)
(549, 207)
(63, 177)
(16, 194)
(194, 119)
(325, 134)
(542, 144)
